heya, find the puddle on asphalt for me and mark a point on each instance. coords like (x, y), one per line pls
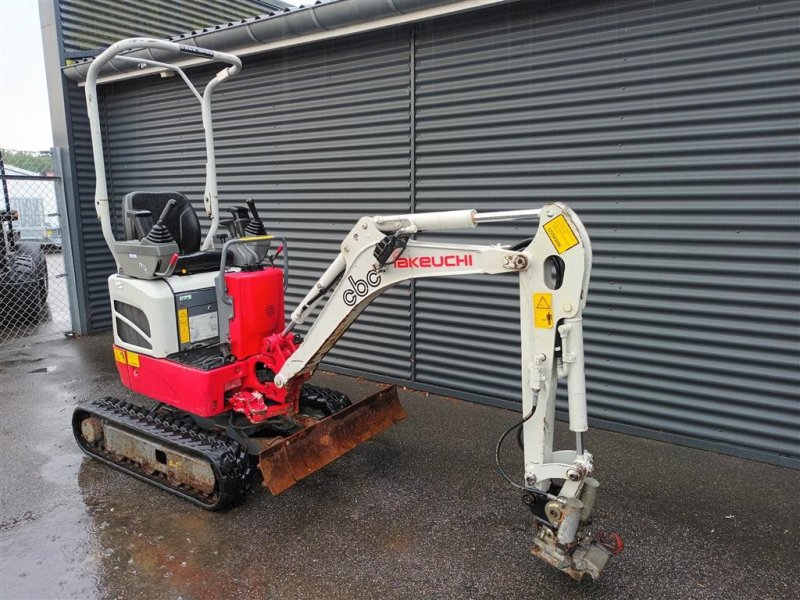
(53, 551)
(62, 469)
(102, 534)
(26, 517)
(44, 370)
(45, 556)
(18, 361)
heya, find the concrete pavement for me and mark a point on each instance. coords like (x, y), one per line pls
(419, 511)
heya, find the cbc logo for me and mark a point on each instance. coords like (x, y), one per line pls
(360, 287)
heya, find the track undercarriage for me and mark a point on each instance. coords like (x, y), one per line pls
(211, 462)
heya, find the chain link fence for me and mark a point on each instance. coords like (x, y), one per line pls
(34, 299)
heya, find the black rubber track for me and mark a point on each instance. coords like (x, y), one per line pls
(326, 400)
(231, 465)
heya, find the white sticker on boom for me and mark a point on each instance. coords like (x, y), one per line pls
(203, 327)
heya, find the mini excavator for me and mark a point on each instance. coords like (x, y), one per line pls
(199, 327)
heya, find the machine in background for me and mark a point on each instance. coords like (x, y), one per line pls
(24, 284)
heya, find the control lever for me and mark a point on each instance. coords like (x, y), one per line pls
(246, 227)
(159, 234)
(241, 218)
(256, 225)
(230, 233)
(276, 255)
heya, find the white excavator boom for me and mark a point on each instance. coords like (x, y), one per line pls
(553, 269)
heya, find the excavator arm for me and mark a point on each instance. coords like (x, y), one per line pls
(553, 270)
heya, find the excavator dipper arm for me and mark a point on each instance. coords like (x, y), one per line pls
(553, 270)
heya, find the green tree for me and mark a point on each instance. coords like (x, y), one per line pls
(37, 162)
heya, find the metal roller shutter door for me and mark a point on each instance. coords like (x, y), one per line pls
(672, 128)
(97, 262)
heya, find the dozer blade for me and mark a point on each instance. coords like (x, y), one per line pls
(318, 445)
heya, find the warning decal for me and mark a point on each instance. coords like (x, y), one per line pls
(119, 355)
(183, 325)
(560, 233)
(203, 327)
(133, 359)
(543, 311)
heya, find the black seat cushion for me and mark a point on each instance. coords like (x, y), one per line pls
(182, 221)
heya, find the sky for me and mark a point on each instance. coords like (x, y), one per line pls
(24, 109)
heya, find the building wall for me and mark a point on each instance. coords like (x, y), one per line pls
(92, 24)
(671, 127)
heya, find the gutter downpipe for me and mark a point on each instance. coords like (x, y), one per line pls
(76, 72)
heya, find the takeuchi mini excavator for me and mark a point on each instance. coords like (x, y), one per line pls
(199, 327)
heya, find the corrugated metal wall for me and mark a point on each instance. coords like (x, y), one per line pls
(319, 138)
(96, 260)
(672, 128)
(90, 24)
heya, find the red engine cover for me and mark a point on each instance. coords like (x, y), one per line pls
(257, 309)
(256, 343)
(193, 390)
(234, 385)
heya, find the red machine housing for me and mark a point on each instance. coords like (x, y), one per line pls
(194, 390)
(244, 385)
(258, 309)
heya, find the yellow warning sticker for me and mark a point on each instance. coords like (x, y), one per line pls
(119, 355)
(183, 325)
(133, 359)
(561, 234)
(543, 311)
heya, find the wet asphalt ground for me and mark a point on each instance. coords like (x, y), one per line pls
(417, 512)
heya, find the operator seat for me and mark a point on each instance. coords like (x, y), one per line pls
(141, 209)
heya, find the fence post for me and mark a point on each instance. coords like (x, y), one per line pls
(75, 276)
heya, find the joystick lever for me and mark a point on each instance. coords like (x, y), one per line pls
(159, 234)
(256, 225)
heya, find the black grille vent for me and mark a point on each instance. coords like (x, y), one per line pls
(130, 336)
(134, 315)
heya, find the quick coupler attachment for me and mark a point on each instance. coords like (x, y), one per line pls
(561, 537)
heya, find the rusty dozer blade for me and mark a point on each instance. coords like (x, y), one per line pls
(318, 445)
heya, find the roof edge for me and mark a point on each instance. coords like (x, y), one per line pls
(303, 25)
